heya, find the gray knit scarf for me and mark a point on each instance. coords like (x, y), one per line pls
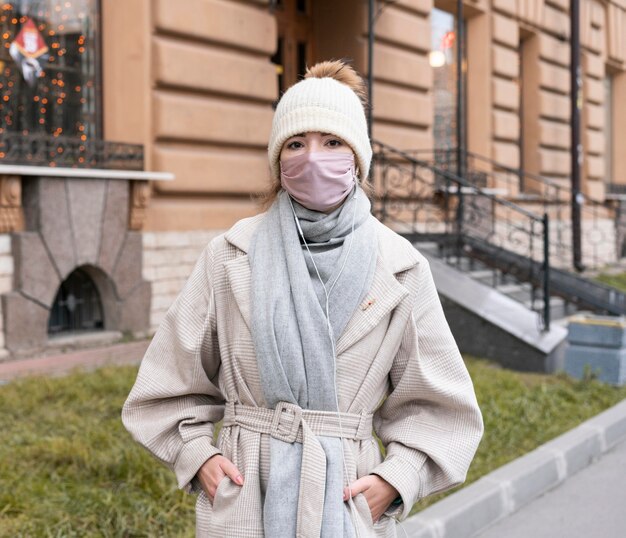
(291, 340)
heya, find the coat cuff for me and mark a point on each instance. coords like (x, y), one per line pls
(191, 457)
(403, 476)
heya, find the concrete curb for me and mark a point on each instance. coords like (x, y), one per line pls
(508, 488)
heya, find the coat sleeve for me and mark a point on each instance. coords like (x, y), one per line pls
(430, 423)
(175, 401)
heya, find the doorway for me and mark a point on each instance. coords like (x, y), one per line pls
(294, 51)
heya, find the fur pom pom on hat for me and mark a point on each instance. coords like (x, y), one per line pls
(325, 105)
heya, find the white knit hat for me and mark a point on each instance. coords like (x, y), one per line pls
(325, 105)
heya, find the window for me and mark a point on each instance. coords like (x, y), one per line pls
(76, 306)
(443, 60)
(49, 68)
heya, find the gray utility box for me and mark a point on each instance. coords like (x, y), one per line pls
(600, 342)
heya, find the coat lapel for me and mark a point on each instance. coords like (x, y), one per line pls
(395, 255)
(386, 292)
(384, 295)
(238, 270)
(239, 277)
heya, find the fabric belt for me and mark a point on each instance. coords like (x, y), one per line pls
(290, 423)
(285, 420)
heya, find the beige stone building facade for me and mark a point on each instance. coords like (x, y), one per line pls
(199, 85)
(194, 84)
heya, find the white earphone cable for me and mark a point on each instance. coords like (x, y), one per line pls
(327, 293)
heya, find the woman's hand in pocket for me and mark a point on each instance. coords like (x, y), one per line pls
(213, 472)
(378, 493)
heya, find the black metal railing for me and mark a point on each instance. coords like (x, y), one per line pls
(603, 231)
(63, 151)
(424, 202)
(616, 189)
(603, 224)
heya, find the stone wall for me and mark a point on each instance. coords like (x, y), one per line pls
(72, 223)
(6, 283)
(212, 90)
(403, 79)
(168, 258)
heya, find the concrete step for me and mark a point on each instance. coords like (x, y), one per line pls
(554, 299)
(499, 328)
(503, 282)
(485, 276)
(558, 308)
(508, 278)
(427, 247)
(461, 263)
(512, 287)
(520, 291)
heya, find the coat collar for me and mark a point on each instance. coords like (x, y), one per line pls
(395, 254)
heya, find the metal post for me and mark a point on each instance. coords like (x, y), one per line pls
(459, 223)
(460, 131)
(370, 65)
(576, 146)
(546, 271)
(370, 76)
(460, 90)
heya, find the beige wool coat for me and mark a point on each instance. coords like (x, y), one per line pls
(396, 360)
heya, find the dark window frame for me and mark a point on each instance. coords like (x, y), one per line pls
(93, 123)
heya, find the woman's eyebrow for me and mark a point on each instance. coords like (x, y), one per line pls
(303, 135)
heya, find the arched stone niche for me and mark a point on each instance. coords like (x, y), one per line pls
(72, 223)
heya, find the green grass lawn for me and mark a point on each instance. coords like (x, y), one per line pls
(69, 468)
(617, 280)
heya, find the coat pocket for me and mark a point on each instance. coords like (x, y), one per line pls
(205, 510)
(203, 515)
(237, 510)
(384, 527)
(231, 515)
(364, 509)
(218, 492)
(363, 518)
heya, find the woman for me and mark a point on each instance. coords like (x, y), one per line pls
(305, 328)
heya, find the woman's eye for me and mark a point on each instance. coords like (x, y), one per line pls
(334, 143)
(294, 145)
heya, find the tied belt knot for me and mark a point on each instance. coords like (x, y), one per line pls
(290, 423)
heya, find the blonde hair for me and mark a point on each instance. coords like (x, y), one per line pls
(342, 72)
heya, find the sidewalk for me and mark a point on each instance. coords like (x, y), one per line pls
(592, 503)
(570, 487)
(87, 359)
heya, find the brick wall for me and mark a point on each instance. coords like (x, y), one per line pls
(168, 258)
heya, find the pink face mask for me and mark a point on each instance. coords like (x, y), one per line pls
(318, 180)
